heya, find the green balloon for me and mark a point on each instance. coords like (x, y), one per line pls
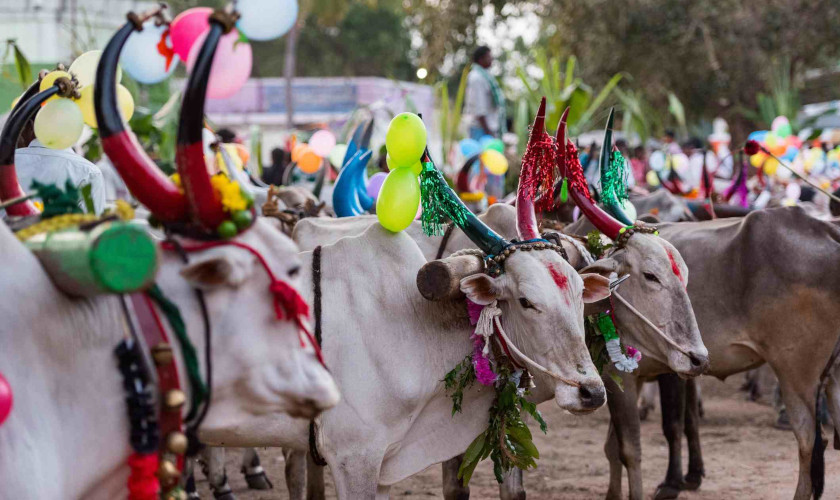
(405, 139)
(784, 130)
(399, 199)
(496, 144)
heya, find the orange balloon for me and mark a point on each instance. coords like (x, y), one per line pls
(298, 150)
(779, 150)
(309, 162)
(243, 153)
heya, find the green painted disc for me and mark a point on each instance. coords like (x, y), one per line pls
(124, 258)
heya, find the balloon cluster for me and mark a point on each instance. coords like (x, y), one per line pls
(259, 20)
(398, 200)
(780, 141)
(310, 156)
(491, 151)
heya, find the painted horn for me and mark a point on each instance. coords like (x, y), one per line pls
(345, 195)
(477, 231)
(142, 177)
(204, 204)
(361, 175)
(9, 185)
(462, 180)
(526, 217)
(608, 197)
(579, 192)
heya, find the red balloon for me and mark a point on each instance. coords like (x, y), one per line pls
(187, 27)
(5, 398)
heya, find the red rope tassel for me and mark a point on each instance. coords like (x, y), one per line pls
(574, 172)
(142, 483)
(538, 171)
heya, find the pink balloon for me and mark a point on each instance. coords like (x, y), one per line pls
(5, 399)
(375, 184)
(187, 27)
(231, 65)
(322, 142)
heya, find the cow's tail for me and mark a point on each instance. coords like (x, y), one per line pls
(818, 452)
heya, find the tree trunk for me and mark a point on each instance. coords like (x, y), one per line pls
(289, 71)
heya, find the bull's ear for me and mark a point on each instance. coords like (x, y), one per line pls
(218, 267)
(604, 267)
(480, 288)
(595, 287)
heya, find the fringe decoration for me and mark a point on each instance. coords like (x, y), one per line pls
(142, 482)
(614, 186)
(538, 173)
(613, 344)
(439, 202)
(574, 172)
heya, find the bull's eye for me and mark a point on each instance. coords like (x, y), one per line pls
(294, 271)
(526, 303)
(651, 277)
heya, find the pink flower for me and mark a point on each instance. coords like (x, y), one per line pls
(483, 371)
(634, 353)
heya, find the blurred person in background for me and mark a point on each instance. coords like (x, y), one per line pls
(280, 159)
(484, 103)
(638, 165)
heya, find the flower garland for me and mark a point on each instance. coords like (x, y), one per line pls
(507, 440)
(236, 201)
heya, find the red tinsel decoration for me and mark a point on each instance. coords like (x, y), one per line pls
(538, 172)
(143, 483)
(752, 147)
(574, 172)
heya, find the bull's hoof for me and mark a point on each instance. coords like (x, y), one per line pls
(692, 481)
(457, 494)
(258, 481)
(193, 495)
(225, 495)
(643, 413)
(666, 492)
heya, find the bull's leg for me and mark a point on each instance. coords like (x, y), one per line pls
(614, 458)
(696, 471)
(189, 484)
(512, 488)
(624, 416)
(672, 399)
(800, 406)
(254, 473)
(832, 393)
(213, 466)
(315, 489)
(357, 476)
(647, 400)
(453, 489)
(295, 471)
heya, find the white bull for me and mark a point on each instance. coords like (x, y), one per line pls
(69, 421)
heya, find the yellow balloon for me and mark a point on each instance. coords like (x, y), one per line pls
(84, 68)
(49, 80)
(652, 179)
(398, 200)
(59, 124)
(757, 159)
(495, 161)
(770, 166)
(124, 100)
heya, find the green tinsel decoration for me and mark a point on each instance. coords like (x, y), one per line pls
(56, 201)
(606, 326)
(176, 322)
(439, 202)
(564, 190)
(614, 180)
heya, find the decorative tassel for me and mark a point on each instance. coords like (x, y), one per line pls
(574, 172)
(481, 363)
(614, 186)
(486, 324)
(564, 190)
(438, 201)
(142, 482)
(607, 328)
(538, 170)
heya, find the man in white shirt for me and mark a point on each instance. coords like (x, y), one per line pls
(55, 166)
(484, 103)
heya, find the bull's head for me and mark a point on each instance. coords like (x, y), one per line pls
(258, 363)
(658, 276)
(540, 295)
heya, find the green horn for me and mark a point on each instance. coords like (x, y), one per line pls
(613, 175)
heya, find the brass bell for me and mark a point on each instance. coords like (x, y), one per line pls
(167, 472)
(176, 442)
(173, 400)
(162, 354)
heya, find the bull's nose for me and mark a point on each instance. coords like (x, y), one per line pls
(699, 362)
(592, 396)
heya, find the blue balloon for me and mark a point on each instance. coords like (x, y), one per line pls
(485, 140)
(790, 153)
(469, 147)
(142, 57)
(266, 19)
(758, 135)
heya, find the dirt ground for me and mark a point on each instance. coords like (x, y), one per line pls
(745, 457)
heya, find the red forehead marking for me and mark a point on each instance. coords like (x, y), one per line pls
(561, 281)
(674, 266)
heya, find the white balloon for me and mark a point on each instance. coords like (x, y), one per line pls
(266, 19)
(142, 59)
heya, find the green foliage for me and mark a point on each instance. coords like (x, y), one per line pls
(450, 114)
(562, 88)
(507, 440)
(594, 244)
(21, 63)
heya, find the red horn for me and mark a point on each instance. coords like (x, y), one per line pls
(205, 205)
(579, 190)
(142, 177)
(533, 167)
